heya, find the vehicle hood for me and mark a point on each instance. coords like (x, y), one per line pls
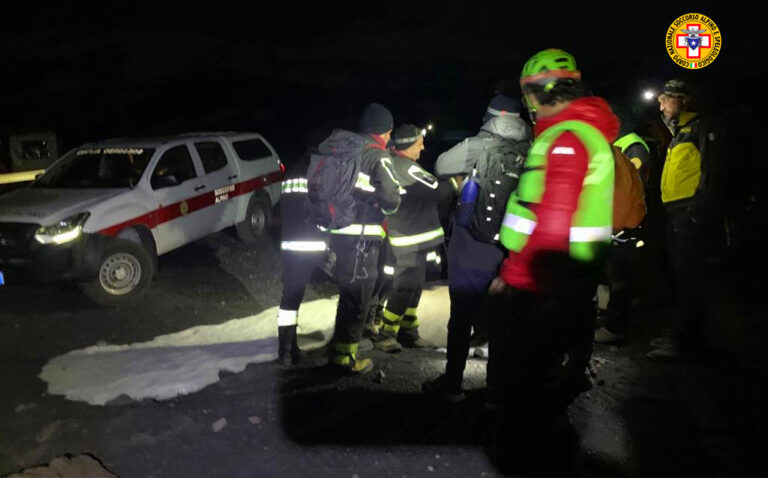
(46, 206)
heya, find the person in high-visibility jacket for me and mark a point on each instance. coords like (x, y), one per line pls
(303, 247)
(625, 252)
(688, 185)
(557, 229)
(357, 246)
(412, 233)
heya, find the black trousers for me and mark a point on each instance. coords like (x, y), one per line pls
(544, 343)
(408, 283)
(298, 268)
(468, 290)
(686, 249)
(621, 268)
(356, 273)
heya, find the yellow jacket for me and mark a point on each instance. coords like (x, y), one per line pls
(683, 166)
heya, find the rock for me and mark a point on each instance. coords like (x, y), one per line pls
(254, 420)
(219, 425)
(431, 469)
(600, 383)
(81, 466)
(24, 407)
(101, 343)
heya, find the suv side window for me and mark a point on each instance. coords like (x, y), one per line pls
(176, 162)
(251, 149)
(212, 156)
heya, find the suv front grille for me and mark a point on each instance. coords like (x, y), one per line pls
(15, 237)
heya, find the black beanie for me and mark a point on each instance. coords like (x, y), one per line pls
(406, 136)
(376, 119)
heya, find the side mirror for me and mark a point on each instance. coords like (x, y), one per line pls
(165, 181)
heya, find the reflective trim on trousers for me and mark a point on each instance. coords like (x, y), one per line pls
(389, 270)
(390, 322)
(357, 229)
(287, 317)
(416, 238)
(303, 246)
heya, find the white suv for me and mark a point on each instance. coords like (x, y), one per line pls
(103, 212)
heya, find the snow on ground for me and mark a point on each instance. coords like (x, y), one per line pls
(185, 362)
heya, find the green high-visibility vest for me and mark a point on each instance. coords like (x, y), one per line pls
(591, 225)
(628, 140)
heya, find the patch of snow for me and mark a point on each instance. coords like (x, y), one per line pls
(187, 361)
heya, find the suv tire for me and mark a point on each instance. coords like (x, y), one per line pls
(124, 274)
(257, 218)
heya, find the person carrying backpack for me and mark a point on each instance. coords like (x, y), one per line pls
(626, 246)
(412, 232)
(352, 186)
(492, 160)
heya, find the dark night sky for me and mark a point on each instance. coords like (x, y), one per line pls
(101, 70)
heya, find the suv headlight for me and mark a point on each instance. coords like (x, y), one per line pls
(66, 230)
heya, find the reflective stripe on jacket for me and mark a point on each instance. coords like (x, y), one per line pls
(591, 225)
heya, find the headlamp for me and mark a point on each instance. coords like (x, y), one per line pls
(63, 231)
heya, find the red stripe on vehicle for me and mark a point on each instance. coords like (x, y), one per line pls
(170, 212)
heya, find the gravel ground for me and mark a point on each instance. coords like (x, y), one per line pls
(640, 418)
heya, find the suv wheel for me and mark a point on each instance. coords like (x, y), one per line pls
(124, 274)
(256, 221)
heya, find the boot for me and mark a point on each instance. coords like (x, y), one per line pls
(409, 338)
(287, 347)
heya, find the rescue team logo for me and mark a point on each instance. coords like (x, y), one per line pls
(183, 208)
(694, 41)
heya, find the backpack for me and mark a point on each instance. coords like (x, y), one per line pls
(496, 175)
(628, 194)
(331, 178)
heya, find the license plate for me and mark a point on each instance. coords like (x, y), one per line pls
(2, 278)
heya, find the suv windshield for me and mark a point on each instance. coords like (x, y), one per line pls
(97, 168)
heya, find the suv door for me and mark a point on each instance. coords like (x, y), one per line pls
(179, 194)
(220, 178)
(256, 160)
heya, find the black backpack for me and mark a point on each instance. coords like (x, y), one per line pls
(331, 178)
(496, 173)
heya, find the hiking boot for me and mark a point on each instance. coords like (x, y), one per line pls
(288, 353)
(666, 353)
(355, 367)
(365, 345)
(444, 388)
(371, 330)
(605, 336)
(416, 343)
(389, 345)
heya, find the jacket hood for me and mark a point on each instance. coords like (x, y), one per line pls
(510, 127)
(591, 110)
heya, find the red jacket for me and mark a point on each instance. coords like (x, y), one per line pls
(567, 162)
